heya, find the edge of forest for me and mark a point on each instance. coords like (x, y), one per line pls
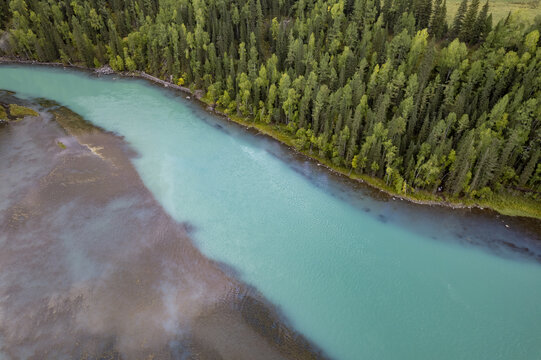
(505, 204)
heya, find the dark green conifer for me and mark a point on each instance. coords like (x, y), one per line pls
(467, 32)
(438, 23)
(483, 24)
(459, 18)
(423, 12)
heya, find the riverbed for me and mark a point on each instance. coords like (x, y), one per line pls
(357, 274)
(92, 267)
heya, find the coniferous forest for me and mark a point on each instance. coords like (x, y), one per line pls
(389, 89)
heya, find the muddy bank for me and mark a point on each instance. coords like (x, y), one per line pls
(92, 267)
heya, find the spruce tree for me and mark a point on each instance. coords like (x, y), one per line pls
(467, 32)
(438, 23)
(483, 24)
(459, 18)
(422, 10)
(4, 13)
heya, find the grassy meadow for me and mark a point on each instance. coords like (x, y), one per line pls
(528, 9)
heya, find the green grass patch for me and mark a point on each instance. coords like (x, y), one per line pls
(19, 111)
(3, 114)
(513, 205)
(527, 9)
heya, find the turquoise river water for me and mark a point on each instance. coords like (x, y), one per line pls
(362, 277)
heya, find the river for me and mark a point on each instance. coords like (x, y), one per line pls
(360, 274)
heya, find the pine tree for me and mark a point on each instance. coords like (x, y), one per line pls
(529, 168)
(460, 171)
(4, 13)
(483, 24)
(459, 18)
(438, 23)
(422, 12)
(467, 32)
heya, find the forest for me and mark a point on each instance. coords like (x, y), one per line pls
(388, 89)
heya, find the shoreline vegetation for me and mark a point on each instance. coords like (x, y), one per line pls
(504, 204)
(383, 91)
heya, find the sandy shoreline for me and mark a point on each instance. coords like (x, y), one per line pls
(113, 273)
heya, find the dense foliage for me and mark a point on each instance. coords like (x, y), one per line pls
(383, 88)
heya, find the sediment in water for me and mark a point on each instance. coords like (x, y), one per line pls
(92, 267)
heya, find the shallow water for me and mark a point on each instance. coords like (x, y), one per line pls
(91, 267)
(361, 277)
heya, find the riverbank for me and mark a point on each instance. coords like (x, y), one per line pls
(88, 256)
(505, 204)
(353, 269)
